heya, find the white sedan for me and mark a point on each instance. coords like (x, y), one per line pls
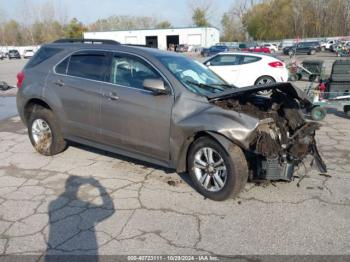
(273, 47)
(243, 69)
(28, 53)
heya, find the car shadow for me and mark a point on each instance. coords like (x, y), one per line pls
(184, 175)
(72, 221)
(120, 157)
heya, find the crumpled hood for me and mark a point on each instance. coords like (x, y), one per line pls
(287, 88)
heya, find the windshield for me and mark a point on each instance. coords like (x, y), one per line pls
(195, 76)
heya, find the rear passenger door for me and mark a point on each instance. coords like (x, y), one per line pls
(77, 84)
(227, 67)
(249, 70)
(134, 119)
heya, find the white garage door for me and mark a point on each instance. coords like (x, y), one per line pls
(195, 39)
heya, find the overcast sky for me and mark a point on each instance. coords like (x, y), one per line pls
(88, 11)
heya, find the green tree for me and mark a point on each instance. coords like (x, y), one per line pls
(13, 34)
(75, 29)
(164, 25)
(200, 17)
(232, 30)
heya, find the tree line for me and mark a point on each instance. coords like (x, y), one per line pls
(244, 20)
(279, 19)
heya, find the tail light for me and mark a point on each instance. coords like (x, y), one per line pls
(276, 64)
(20, 79)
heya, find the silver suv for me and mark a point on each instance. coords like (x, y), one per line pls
(166, 109)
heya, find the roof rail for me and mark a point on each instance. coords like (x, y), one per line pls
(87, 41)
(136, 45)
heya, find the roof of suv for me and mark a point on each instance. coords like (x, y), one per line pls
(111, 47)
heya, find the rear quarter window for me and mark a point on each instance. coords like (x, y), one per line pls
(61, 68)
(43, 54)
(250, 59)
(89, 65)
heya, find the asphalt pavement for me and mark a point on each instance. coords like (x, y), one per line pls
(7, 107)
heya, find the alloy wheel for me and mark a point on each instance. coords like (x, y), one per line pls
(41, 133)
(210, 169)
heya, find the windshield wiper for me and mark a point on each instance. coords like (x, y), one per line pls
(212, 86)
(225, 85)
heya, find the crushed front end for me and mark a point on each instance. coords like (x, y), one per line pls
(283, 139)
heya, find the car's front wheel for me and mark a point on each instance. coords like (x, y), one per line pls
(44, 132)
(216, 173)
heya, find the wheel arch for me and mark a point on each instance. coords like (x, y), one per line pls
(32, 105)
(183, 156)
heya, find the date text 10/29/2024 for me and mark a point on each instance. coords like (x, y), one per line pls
(173, 258)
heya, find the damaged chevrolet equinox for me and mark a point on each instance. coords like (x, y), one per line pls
(166, 109)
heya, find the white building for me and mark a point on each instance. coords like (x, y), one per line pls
(162, 38)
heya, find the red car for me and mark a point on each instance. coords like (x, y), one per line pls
(254, 48)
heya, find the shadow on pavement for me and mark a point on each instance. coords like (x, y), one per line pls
(337, 112)
(72, 235)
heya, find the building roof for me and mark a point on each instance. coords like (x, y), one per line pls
(154, 29)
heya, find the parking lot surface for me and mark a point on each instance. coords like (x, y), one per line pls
(86, 201)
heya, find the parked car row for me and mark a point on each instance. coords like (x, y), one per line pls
(14, 54)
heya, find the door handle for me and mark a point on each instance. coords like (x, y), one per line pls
(59, 83)
(111, 96)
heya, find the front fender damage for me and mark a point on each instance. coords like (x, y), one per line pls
(282, 139)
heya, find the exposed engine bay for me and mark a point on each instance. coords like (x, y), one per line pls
(283, 139)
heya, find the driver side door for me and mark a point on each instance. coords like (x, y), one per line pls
(134, 119)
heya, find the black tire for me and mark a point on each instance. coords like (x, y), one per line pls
(318, 113)
(347, 110)
(236, 168)
(58, 143)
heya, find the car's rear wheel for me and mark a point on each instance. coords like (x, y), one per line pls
(312, 52)
(217, 174)
(45, 133)
(264, 80)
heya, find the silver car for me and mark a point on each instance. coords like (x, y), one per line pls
(166, 109)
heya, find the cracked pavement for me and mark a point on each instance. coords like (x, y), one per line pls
(86, 201)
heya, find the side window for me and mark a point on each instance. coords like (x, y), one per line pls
(225, 60)
(131, 71)
(250, 59)
(89, 65)
(61, 68)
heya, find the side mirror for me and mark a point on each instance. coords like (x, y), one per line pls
(156, 86)
(208, 63)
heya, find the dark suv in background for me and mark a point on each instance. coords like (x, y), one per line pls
(309, 48)
(166, 109)
(14, 54)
